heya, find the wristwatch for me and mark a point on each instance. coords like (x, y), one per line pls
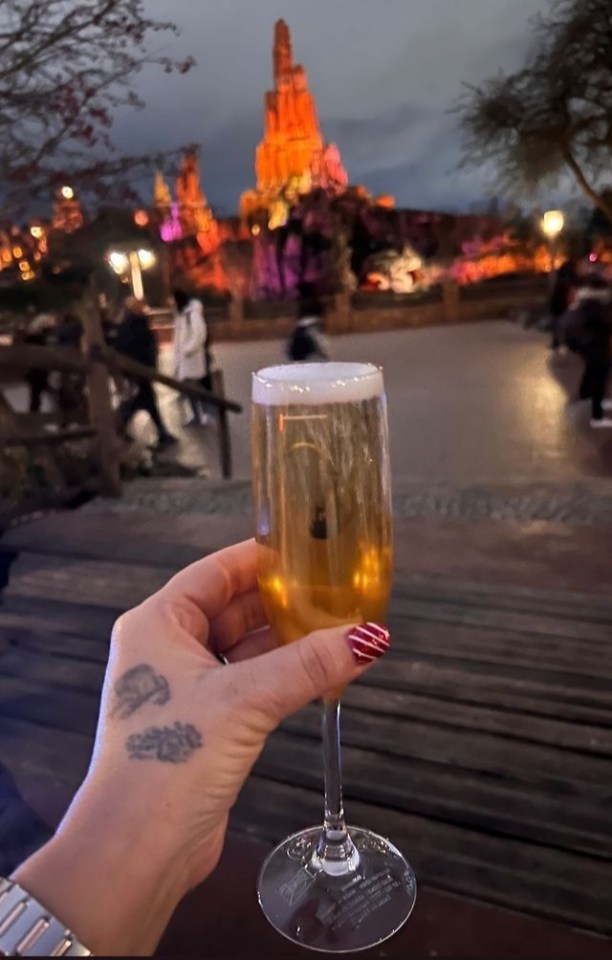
(28, 930)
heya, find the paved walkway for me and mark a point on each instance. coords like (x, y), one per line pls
(469, 406)
(477, 403)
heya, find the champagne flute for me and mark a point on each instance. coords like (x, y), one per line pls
(324, 531)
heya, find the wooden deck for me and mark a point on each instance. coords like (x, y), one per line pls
(482, 745)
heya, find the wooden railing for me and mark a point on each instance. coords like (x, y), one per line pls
(95, 362)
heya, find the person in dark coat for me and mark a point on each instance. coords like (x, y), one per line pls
(136, 340)
(306, 342)
(39, 333)
(587, 330)
(560, 299)
(71, 389)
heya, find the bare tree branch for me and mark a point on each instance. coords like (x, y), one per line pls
(65, 69)
(555, 115)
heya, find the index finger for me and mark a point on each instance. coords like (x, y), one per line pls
(209, 585)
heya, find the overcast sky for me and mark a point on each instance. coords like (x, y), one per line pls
(384, 74)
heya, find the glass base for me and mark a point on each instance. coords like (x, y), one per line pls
(334, 907)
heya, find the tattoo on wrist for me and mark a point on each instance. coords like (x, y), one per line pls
(174, 744)
(137, 686)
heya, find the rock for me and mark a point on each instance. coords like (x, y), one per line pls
(292, 158)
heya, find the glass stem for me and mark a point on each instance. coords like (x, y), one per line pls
(336, 853)
(332, 768)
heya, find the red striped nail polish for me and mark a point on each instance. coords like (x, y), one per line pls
(368, 642)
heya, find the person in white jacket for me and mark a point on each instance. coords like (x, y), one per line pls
(190, 335)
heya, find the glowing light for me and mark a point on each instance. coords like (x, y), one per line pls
(256, 230)
(24, 266)
(141, 218)
(593, 258)
(30, 275)
(118, 261)
(67, 193)
(37, 232)
(277, 586)
(147, 259)
(553, 223)
(7, 256)
(17, 252)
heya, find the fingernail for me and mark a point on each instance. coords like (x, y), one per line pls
(368, 642)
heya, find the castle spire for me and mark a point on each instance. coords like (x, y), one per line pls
(283, 52)
(293, 157)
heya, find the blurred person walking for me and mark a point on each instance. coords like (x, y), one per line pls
(191, 354)
(136, 340)
(587, 330)
(306, 342)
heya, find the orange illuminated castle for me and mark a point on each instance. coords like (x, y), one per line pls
(292, 158)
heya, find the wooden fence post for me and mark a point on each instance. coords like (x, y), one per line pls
(100, 404)
(235, 315)
(225, 440)
(340, 320)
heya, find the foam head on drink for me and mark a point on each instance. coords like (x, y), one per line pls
(322, 495)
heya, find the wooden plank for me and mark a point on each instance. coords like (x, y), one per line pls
(84, 581)
(543, 768)
(57, 616)
(46, 439)
(443, 713)
(52, 644)
(583, 681)
(129, 537)
(481, 687)
(503, 596)
(501, 646)
(27, 748)
(62, 672)
(509, 873)
(490, 805)
(51, 707)
(531, 625)
(19, 358)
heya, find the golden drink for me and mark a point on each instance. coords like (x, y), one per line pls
(322, 496)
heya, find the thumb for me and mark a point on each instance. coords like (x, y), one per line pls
(290, 677)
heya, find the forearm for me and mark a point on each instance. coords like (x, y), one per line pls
(104, 876)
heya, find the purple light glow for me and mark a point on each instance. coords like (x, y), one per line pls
(171, 229)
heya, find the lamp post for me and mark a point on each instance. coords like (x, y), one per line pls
(134, 261)
(553, 223)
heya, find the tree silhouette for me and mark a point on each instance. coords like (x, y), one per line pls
(554, 116)
(65, 69)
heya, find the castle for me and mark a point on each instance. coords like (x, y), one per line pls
(293, 158)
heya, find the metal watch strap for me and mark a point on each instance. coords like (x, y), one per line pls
(27, 929)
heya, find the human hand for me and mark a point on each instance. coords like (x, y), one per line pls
(179, 732)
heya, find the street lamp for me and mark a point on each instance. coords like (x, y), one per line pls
(135, 261)
(553, 223)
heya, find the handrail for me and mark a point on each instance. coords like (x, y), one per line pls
(23, 357)
(46, 439)
(116, 361)
(20, 357)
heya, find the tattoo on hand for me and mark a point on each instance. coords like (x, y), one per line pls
(174, 744)
(138, 686)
